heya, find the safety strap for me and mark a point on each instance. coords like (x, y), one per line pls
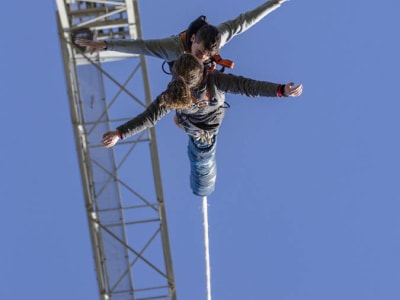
(183, 38)
(201, 103)
(223, 62)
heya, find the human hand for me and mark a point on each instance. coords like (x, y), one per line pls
(110, 138)
(93, 46)
(291, 91)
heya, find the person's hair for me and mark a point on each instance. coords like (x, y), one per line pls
(194, 27)
(187, 73)
(189, 68)
(211, 37)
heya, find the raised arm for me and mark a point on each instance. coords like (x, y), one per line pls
(244, 21)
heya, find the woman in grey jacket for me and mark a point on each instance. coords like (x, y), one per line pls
(198, 96)
(171, 48)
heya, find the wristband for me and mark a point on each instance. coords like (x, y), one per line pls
(119, 134)
(281, 90)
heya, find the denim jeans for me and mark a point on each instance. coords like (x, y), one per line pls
(203, 167)
(202, 156)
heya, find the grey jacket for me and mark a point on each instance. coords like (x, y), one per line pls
(208, 117)
(171, 48)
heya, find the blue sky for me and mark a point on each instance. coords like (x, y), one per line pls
(307, 198)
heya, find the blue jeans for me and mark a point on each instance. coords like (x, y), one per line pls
(202, 156)
(203, 167)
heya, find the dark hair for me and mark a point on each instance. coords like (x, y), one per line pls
(187, 73)
(193, 28)
(211, 37)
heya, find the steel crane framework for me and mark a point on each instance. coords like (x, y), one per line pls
(127, 219)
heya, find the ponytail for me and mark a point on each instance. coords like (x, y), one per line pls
(187, 73)
(177, 95)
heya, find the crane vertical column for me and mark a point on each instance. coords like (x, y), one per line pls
(122, 186)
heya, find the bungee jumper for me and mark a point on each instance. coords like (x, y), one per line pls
(200, 39)
(197, 94)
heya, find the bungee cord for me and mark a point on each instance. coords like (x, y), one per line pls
(206, 247)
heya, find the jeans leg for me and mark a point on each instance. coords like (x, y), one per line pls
(203, 167)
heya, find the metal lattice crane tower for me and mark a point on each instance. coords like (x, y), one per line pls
(127, 219)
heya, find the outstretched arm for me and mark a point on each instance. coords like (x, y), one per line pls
(244, 21)
(234, 84)
(143, 121)
(168, 49)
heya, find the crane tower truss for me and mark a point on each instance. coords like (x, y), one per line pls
(127, 219)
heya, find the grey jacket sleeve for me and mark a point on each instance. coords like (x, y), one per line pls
(234, 84)
(145, 120)
(246, 20)
(169, 49)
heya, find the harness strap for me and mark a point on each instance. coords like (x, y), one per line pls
(204, 102)
(223, 62)
(183, 38)
(199, 103)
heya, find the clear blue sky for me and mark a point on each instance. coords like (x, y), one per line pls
(307, 201)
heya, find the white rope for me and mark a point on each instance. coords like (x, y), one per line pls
(206, 247)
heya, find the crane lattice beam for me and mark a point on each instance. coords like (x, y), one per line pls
(127, 223)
